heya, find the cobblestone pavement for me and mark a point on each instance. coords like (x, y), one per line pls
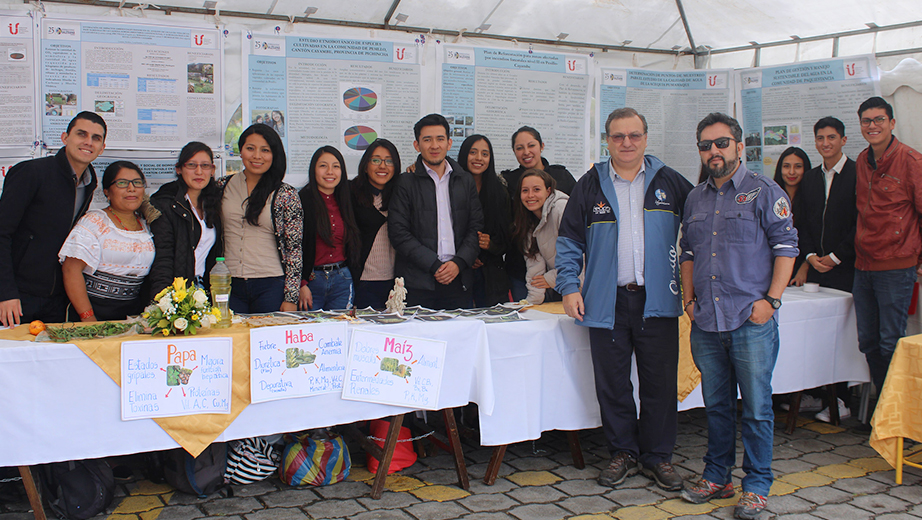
(821, 472)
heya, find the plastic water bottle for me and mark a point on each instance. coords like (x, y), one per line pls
(220, 278)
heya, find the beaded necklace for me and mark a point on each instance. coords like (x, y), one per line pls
(111, 213)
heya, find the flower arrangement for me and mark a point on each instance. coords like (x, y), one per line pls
(180, 308)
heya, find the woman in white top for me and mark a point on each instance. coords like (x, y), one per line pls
(538, 210)
(109, 252)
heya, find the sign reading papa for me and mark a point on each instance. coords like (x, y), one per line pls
(296, 360)
(397, 370)
(172, 377)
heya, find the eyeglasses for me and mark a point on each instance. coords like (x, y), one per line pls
(879, 121)
(377, 162)
(191, 166)
(721, 142)
(619, 138)
(123, 183)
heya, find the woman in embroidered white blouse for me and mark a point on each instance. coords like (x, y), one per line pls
(109, 252)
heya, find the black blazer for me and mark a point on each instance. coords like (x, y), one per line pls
(369, 220)
(829, 226)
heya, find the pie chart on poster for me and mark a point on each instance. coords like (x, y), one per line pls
(360, 99)
(359, 137)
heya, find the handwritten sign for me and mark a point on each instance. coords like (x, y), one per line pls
(172, 377)
(399, 370)
(297, 360)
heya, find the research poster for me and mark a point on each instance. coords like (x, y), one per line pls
(331, 91)
(179, 376)
(17, 81)
(157, 86)
(495, 91)
(392, 369)
(673, 102)
(297, 360)
(780, 105)
(157, 171)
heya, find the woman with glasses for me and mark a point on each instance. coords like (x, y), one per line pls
(109, 252)
(188, 232)
(262, 222)
(373, 274)
(528, 146)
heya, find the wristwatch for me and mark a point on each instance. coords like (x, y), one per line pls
(774, 302)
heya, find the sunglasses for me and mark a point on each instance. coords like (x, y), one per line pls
(123, 183)
(721, 142)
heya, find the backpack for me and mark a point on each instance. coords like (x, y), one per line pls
(200, 476)
(78, 489)
(250, 460)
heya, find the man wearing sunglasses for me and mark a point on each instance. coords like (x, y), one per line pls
(738, 249)
(888, 244)
(623, 216)
(41, 201)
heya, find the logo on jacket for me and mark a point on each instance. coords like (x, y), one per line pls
(660, 197)
(601, 208)
(781, 208)
(746, 198)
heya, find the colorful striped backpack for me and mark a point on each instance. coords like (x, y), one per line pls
(315, 460)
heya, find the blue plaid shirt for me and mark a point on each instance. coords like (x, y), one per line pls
(733, 235)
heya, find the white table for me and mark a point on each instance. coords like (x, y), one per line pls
(543, 369)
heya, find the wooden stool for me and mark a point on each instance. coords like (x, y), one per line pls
(35, 498)
(496, 459)
(831, 400)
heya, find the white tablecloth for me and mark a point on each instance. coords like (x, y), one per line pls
(57, 404)
(543, 369)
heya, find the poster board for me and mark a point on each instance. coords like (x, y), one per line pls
(157, 86)
(18, 66)
(673, 102)
(176, 376)
(318, 91)
(779, 105)
(297, 361)
(392, 369)
(494, 92)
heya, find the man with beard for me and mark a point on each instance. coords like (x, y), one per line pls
(433, 219)
(738, 251)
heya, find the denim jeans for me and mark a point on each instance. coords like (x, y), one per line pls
(745, 357)
(257, 295)
(882, 301)
(331, 289)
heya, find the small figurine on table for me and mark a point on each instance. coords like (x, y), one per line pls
(396, 300)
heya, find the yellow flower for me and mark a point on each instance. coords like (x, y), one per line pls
(179, 284)
(216, 312)
(166, 332)
(195, 316)
(180, 294)
(162, 293)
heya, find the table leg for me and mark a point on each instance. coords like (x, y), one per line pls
(35, 498)
(576, 449)
(454, 442)
(384, 461)
(834, 404)
(899, 460)
(496, 459)
(792, 413)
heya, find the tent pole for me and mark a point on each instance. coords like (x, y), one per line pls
(691, 39)
(390, 13)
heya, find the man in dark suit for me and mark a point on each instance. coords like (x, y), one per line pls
(827, 235)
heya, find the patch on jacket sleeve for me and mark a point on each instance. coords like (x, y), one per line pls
(746, 198)
(781, 208)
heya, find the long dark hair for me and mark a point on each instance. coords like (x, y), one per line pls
(343, 199)
(210, 197)
(272, 179)
(361, 187)
(793, 150)
(466, 150)
(525, 221)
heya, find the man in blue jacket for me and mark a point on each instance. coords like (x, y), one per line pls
(738, 250)
(41, 201)
(624, 217)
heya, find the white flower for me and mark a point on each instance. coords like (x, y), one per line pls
(199, 297)
(165, 304)
(180, 323)
(205, 322)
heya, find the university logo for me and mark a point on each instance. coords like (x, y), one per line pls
(746, 198)
(660, 197)
(14, 28)
(601, 208)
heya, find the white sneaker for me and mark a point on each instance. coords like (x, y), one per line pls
(844, 413)
(808, 403)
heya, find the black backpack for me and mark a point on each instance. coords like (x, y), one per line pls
(78, 489)
(200, 476)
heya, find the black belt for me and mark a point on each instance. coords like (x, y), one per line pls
(329, 267)
(632, 287)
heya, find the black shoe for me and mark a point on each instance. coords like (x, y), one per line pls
(620, 467)
(665, 476)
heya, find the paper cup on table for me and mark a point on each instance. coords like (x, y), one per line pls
(811, 287)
